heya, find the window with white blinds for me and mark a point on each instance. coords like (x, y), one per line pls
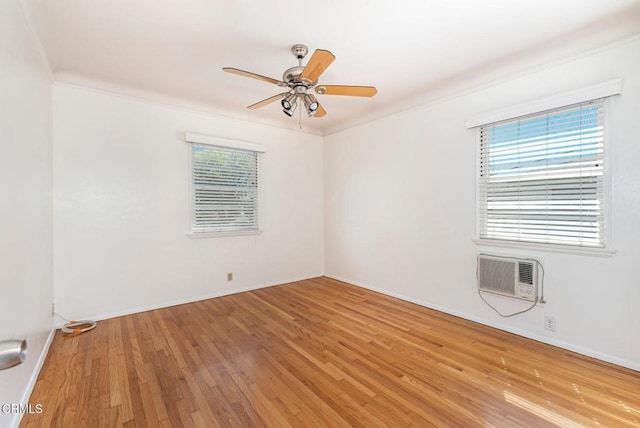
(542, 177)
(224, 189)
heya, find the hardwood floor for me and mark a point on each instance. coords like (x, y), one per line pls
(320, 353)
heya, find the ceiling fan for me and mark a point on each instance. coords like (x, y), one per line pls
(300, 79)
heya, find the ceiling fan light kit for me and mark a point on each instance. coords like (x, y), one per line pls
(310, 103)
(300, 79)
(288, 101)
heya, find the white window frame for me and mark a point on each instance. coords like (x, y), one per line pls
(223, 143)
(602, 90)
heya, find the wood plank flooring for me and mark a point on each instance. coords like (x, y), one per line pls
(321, 353)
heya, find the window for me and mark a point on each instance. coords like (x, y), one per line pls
(224, 189)
(542, 177)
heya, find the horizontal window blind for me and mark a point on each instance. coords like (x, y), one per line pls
(541, 177)
(224, 189)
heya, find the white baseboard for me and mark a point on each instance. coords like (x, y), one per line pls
(33, 378)
(524, 333)
(168, 304)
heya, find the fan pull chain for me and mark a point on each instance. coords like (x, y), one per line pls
(300, 119)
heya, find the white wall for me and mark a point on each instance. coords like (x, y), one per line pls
(121, 207)
(400, 212)
(26, 282)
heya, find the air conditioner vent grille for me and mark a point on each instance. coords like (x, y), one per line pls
(525, 273)
(497, 275)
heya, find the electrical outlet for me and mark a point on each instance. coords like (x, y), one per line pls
(229, 276)
(550, 323)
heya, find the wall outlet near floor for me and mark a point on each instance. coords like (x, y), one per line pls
(229, 276)
(550, 323)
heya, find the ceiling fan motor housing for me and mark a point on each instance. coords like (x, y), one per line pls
(292, 77)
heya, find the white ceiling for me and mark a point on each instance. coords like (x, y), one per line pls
(412, 51)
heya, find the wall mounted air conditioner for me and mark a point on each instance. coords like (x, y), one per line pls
(507, 276)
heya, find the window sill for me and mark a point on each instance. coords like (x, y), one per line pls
(563, 249)
(192, 235)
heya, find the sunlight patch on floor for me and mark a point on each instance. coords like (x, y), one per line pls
(540, 411)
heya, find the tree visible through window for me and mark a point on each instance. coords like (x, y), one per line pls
(224, 195)
(541, 177)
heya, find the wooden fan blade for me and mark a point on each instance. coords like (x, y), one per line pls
(253, 76)
(267, 101)
(318, 63)
(353, 91)
(320, 112)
